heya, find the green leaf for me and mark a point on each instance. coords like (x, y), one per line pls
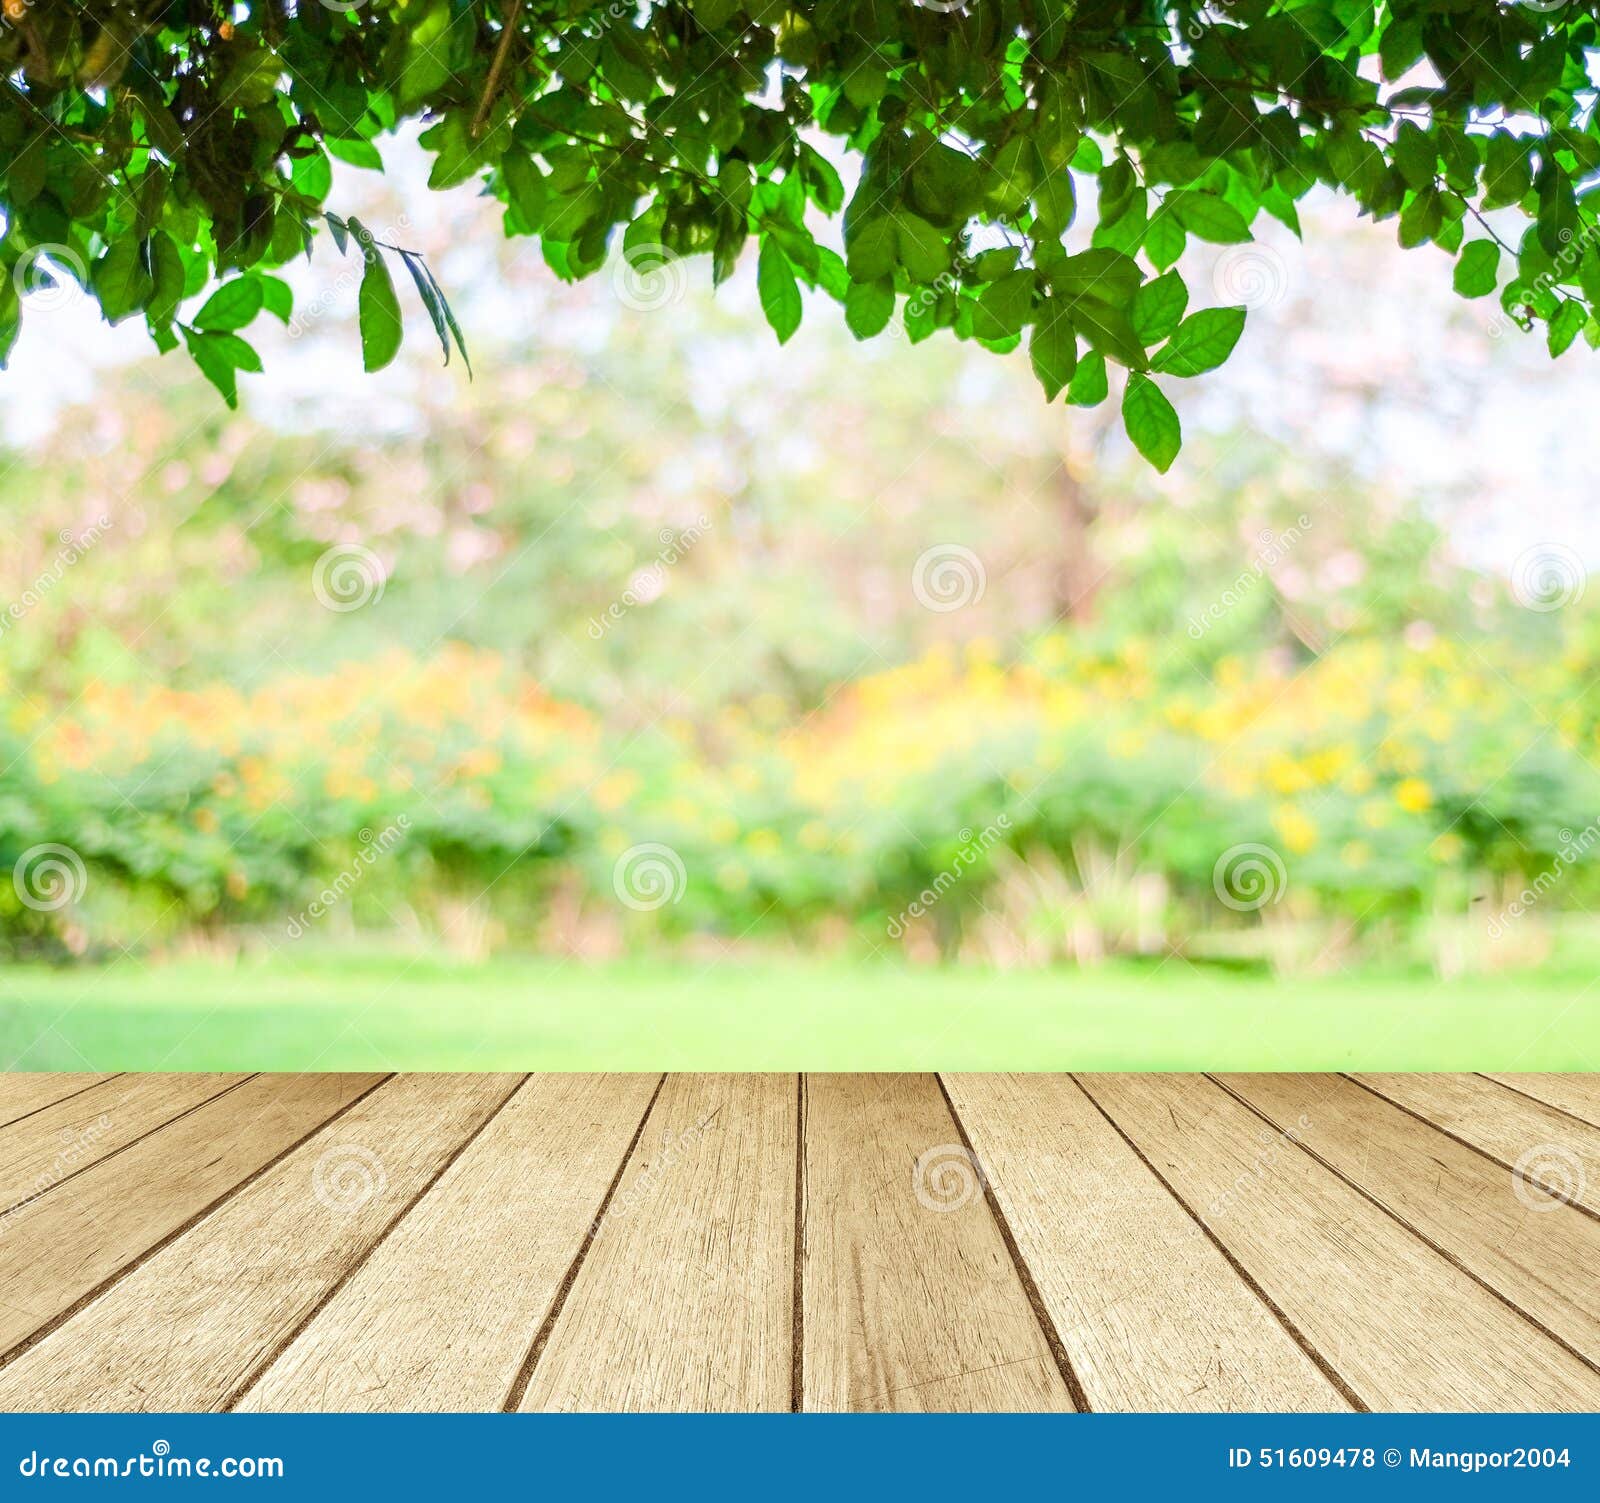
(1478, 269)
(378, 307)
(1108, 329)
(1200, 343)
(780, 294)
(715, 14)
(167, 280)
(1053, 349)
(1004, 307)
(220, 356)
(868, 307)
(1415, 155)
(525, 184)
(1158, 306)
(277, 297)
(356, 152)
(1568, 322)
(1151, 422)
(430, 299)
(872, 250)
(449, 318)
(122, 280)
(1164, 240)
(922, 249)
(231, 306)
(1209, 217)
(1089, 386)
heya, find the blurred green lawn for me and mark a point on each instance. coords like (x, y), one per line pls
(367, 1014)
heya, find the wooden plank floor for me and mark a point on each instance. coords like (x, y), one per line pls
(827, 1242)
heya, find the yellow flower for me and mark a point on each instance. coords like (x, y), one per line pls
(615, 789)
(1447, 847)
(1413, 795)
(1356, 854)
(1298, 830)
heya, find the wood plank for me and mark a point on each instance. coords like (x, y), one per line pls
(911, 1299)
(685, 1299)
(1150, 1313)
(1541, 1145)
(1405, 1329)
(52, 1145)
(442, 1315)
(58, 1249)
(23, 1091)
(1577, 1094)
(197, 1320)
(1526, 1246)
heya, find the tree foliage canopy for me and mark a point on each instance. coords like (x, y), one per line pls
(172, 155)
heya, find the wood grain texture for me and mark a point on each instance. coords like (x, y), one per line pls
(195, 1321)
(23, 1093)
(685, 1299)
(47, 1148)
(1539, 1143)
(1403, 1327)
(58, 1249)
(443, 1313)
(911, 1299)
(1150, 1313)
(1577, 1094)
(1522, 1243)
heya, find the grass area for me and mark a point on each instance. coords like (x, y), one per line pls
(395, 1013)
